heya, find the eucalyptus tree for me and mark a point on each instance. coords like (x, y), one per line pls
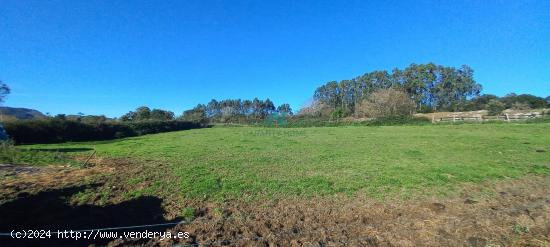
(4, 91)
(285, 109)
(429, 86)
(159, 114)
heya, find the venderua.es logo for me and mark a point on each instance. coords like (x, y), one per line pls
(276, 120)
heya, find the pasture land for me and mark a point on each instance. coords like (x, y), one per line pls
(221, 163)
(220, 173)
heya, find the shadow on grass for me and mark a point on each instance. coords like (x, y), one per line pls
(49, 210)
(62, 150)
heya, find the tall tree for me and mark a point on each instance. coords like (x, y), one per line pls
(430, 86)
(158, 114)
(284, 108)
(142, 113)
(197, 114)
(268, 108)
(4, 91)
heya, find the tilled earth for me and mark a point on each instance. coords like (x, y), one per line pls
(516, 214)
(511, 212)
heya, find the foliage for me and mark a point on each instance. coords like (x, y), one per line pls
(315, 109)
(478, 103)
(234, 111)
(429, 85)
(510, 101)
(161, 115)
(197, 114)
(285, 108)
(495, 107)
(92, 119)
(531, 101)
(144, 113)
(519, 229)
(386, 103)
(520, 106)
(55, 130)
(4, 90)
(337, 113)
(3, 135)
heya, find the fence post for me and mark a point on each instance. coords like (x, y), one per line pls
(88, 159)
(507, 118)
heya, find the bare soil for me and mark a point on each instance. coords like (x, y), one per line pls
(511, 212)
(507, 213)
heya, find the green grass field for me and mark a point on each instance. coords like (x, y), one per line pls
(246, 162)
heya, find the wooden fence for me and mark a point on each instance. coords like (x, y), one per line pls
(481, 118)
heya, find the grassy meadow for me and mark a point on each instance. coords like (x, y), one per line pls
(252, 163)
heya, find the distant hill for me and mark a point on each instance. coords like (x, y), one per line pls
(20, 113)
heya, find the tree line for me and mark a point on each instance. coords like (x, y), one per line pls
(416, 88)
(235, 110)
(431, 87)
(145, 113)
(495, 105)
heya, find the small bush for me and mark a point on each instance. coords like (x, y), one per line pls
(520, 106)
(337, 113)
(387, 103)
(495, 107)
(519, 229)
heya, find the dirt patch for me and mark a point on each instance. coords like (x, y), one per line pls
(18, 179)
(49, 210)
(508, 213)
(475, 218)
(71, 198)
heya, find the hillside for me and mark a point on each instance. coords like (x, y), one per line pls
(20, 113)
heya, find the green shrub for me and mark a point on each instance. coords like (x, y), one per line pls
(495, 107)
(55, 130)
(337, 113)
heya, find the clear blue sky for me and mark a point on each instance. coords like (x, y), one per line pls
(108, 57)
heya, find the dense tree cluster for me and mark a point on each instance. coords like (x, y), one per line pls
(234, 110)
(430, 86)
(496, 104)
(81, 117)
(145, 113)
(418, 87)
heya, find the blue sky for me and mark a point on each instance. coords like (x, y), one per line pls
(108, 57)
